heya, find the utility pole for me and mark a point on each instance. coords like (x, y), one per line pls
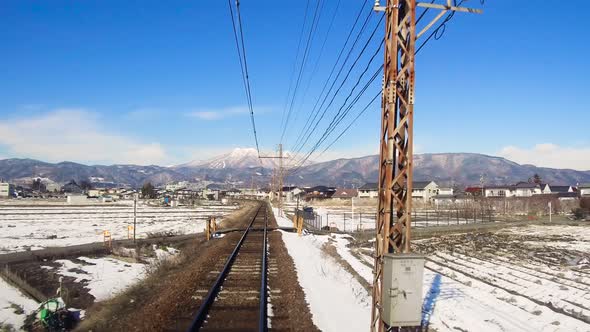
(134, 214)
(280, 175)
(396, 148)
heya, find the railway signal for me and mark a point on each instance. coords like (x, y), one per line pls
(396, 156)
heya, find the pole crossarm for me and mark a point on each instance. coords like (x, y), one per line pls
(449, 7)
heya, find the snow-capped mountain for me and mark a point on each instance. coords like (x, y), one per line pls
(240, 158)
(243, 166)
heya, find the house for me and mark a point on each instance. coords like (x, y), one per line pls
(290, 193)
(527, 189)
(550, 189)
(94, 193)
(368, 190)
(72, 188)
(584, 190)
(424, 190)
(5, 190)
(500, 191)
(445, 191)
(319, 193)
(473, 191)
(345, 194)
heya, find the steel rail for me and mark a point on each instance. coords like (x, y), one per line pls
(203, 311)
(263, 320)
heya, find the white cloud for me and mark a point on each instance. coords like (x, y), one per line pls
(217, 114)
(75, 135)
(549, 155)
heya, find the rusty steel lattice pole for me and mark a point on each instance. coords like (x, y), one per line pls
(396, 143)
(394, 215)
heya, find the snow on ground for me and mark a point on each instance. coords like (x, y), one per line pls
(494, 288)
(282, 221)
(11, 301)
(36, 227)
(333, 295)
(104, 277)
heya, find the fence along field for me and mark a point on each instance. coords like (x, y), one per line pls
(348, 221)
(29, 227)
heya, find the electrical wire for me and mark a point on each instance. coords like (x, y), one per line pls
(310, 37)
(243, 65)
(310, 132)
(340, 53)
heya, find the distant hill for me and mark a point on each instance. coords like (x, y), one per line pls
(241, 166)
(461, 168)
(20, 170)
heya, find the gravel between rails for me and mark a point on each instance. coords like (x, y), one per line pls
(168, 299)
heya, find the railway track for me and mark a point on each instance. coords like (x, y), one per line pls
(237, 299)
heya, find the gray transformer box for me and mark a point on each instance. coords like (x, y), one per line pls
(402, 289)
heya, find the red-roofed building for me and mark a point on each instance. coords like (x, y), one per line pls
(473, 191)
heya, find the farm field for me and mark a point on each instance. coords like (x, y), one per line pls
(31, 227)
(529, 278)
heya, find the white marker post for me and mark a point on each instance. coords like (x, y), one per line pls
(549, 211)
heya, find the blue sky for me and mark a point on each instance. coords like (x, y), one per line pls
(158, 82)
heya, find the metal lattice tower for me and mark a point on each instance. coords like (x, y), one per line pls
(393, 225)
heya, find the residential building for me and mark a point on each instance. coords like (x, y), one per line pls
(319, 193)
(424, 190)
(345, 194)
(94, 193)
(4, 190)
(500, 191)
(473, 191)
(445, 191)
(368, 190)
(551, 189)
(527, 189)
(72, 188)
(290, 193)
(584, 190)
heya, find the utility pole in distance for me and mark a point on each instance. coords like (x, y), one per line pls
(134, 214)
(280, 175)
(396, 168)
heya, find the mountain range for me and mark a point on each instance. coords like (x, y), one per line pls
(242, 166)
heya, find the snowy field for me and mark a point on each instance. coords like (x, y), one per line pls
(35, 227)
(534, 278)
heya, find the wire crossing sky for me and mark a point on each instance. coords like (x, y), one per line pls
(104, 82)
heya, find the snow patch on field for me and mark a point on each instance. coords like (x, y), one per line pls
(10, 297)
(104, 277)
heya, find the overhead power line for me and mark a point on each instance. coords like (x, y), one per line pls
(358, 16)
(310, 36)
(241, 48)
(323, 113)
